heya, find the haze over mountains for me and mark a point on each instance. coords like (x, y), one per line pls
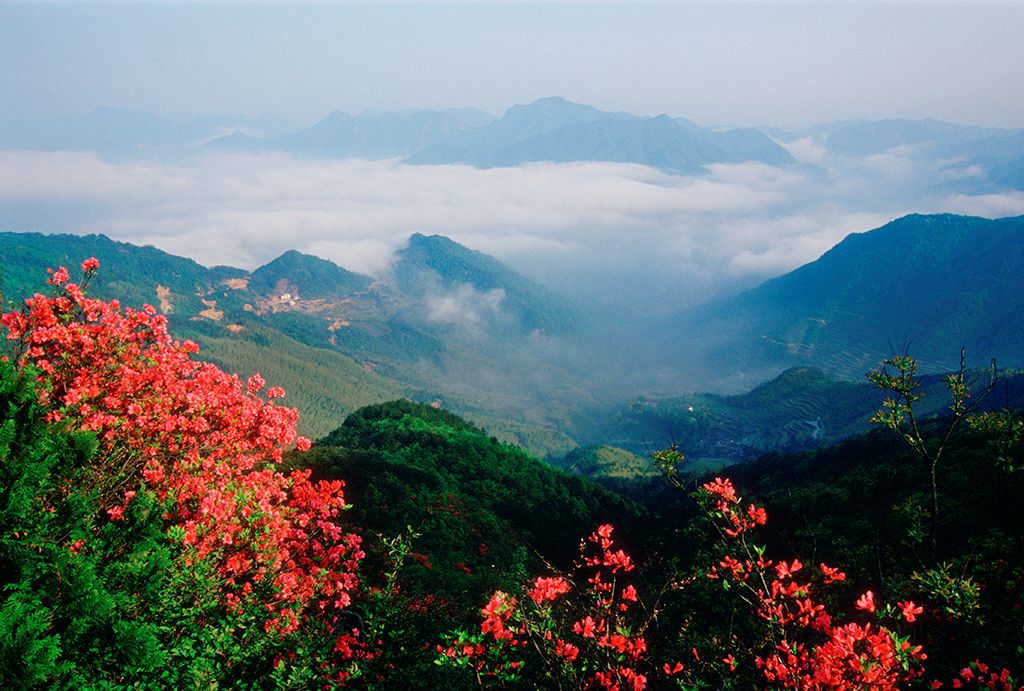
(451, 325)
(549, 129)
(646, 214)
(561, 274)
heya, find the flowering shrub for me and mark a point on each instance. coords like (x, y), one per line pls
(808, 650)
(149, 537)
(979, 675)
(592, 644)
(558, 633)
(205, 447)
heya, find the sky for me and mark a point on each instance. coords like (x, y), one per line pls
(753, 63)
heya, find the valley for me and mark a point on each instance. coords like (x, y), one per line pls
(456, 328)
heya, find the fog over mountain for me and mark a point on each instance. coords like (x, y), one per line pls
(645, 239)
(332, 328)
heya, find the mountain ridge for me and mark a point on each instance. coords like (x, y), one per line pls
(370, 329)
(556, 130)
(453, 326)
(546, 129)
(920, 281)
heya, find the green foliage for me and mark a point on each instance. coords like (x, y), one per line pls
(76, 588)
(417, 459)
(605, 463)
(895, 410)
(485, 513)
(1003, 430)
(865, 503)
(451, 513)
(957, 596)
(87, 601)
(899, 415)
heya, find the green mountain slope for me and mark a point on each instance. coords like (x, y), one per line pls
(25, 257)
(338, 340)
(214, 307)
(307, 276)
(477, 501)
(485, 515)
(456, 327)
(432, 263)
(601, 463)
(930, 283)
(802, 408)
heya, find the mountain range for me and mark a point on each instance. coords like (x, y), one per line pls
(447, 324)
(953, 158)
(549, 129)
(553, 129)
(456, 328)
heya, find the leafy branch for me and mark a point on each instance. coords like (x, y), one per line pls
(897, 414)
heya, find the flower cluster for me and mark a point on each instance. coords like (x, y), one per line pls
(584, 639)
(809, 652)
(205, 443)
(979, 675)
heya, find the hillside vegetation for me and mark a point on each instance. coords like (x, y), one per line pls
(162, 525)
(453, 325)
(933, 283)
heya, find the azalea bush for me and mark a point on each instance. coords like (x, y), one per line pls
(805, 648)
(592, 637)
(173, 500)
(581, 631)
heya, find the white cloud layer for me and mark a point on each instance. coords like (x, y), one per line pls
(611, 232)
(464, 306)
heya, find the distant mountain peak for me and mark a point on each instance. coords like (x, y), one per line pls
(422, 237)
(432, 262)
(313, 276)
(450, 260)
(435, 240)
(550, 103)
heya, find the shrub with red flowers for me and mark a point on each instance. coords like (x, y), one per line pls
(978, 675)
(583, 631)
(205, 448)
(807, 649)
(552, 635)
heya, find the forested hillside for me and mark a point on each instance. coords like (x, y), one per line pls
(930, 283)
(449, 324)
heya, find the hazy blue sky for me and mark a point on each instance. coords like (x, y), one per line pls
(723, 63)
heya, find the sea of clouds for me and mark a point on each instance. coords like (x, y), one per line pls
(619, 234)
